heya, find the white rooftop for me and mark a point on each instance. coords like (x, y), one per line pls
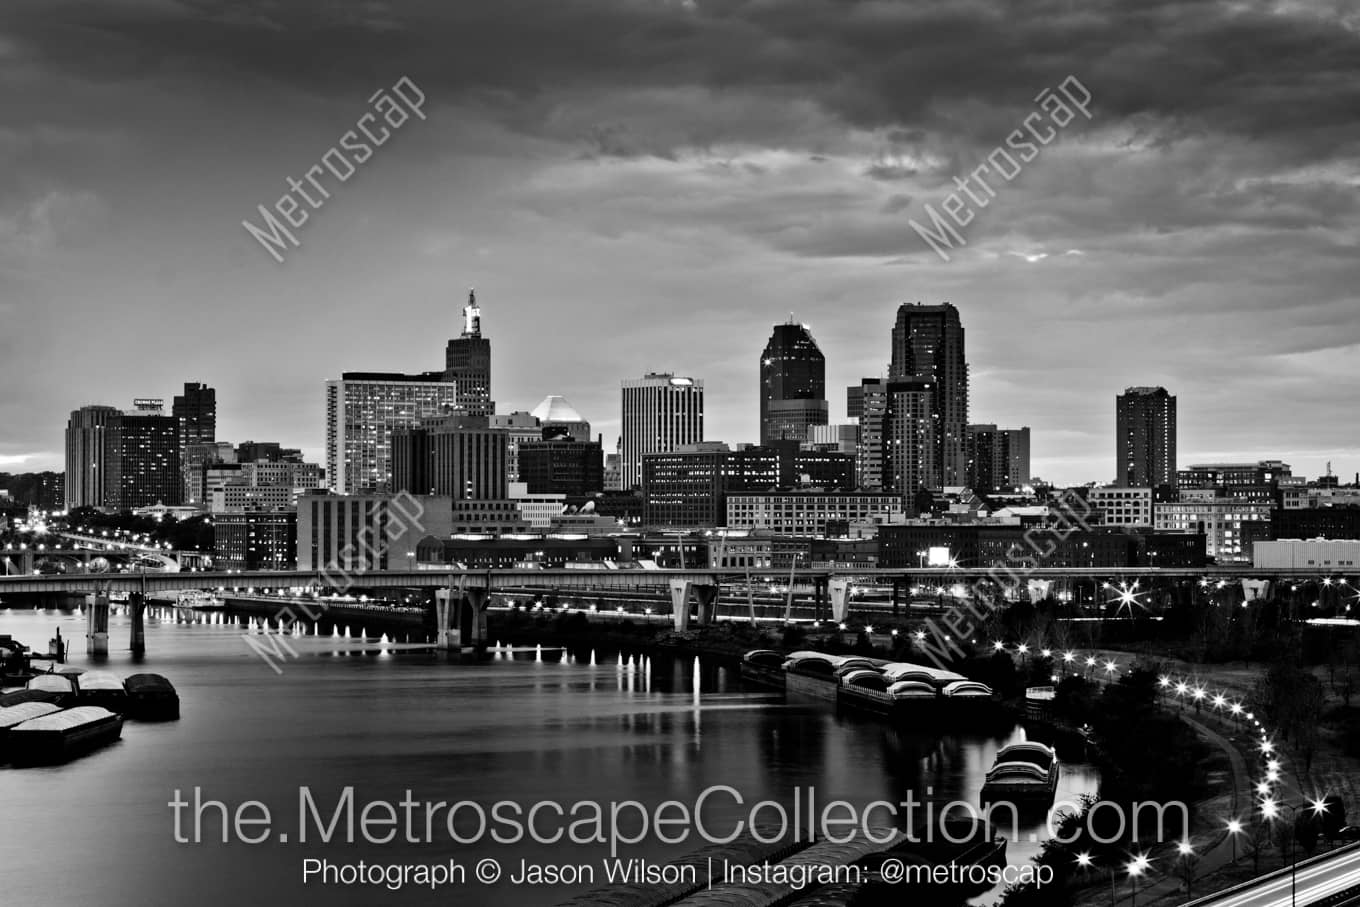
(555, 408)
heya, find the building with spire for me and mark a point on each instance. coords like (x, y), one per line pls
(467, 363)
(792, 384)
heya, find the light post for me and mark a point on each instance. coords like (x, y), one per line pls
(1136, 868)
(1188, 855)
(1234, 829)
(1270, 809)
(921, 559)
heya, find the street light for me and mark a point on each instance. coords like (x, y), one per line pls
(1234, 829)
(1136, 868)
(1188, 854)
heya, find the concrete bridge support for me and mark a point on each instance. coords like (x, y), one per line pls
(460, 618)
(97, 623)
(839, 591)
(706, 596)
(137, 611)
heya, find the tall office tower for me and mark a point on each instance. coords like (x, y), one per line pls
(792, 384)
(362, 411)
(910, 438)
(1145, 438)
(997, 457)
(467, 363)
(196, 412)
(928, 345)
(867, 402)
(660, 412)
(85, 465)
(458, 456)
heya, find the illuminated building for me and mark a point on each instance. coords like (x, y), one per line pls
(661, 412)
(792, 384)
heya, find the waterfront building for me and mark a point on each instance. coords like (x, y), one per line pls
(346, 533)
(255, 540)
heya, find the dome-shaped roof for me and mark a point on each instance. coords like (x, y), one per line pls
(555, 408)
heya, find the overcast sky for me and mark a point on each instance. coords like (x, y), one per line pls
(640, 185)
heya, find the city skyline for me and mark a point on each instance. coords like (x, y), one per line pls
(1185, 236)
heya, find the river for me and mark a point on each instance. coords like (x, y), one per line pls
(523, 727)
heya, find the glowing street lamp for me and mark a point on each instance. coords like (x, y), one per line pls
(1234, 829)
(1136, 868)
(1188, 855)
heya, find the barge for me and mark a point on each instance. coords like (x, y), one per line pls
(15, 715)
(150, 697)
(102, 689)
(62, 736)
(1022, 773)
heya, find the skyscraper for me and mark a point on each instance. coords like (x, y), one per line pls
(997, 457)
(910, 438)
(120, 460)
(928, 345)
(362, 411)
(660, 412)
(467, 362)
(792, 384)
(85, 465)
(196, 413)
(867, 402)
(1145, 438)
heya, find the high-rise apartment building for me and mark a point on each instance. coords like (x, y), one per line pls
(467, 363)
(661, 411)
(363, 409)
(867, 402)
(910, 438)
(928, 345)
(1145, 438)
(997, 457)
(792, 384)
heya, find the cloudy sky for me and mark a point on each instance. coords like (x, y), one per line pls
(640, 185)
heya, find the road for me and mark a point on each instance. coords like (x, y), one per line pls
(1320, 882)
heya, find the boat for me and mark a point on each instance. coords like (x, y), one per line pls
(763, 667)
(59, 685)
(102, 689)
(17, 696)
(11, 716)
(61, 736)
(1024, 772)
(818, 674)
(865, 688)
(150, 697)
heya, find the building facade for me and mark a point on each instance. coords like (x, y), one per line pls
(1230, 528)
(1145, 438)
(808, 512)
(1116, 506)
(363, 409)
(562, 466)
(195, 412)
(661, 412)
(255, 540)
(346, 533)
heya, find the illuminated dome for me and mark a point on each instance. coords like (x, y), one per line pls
(556, 409)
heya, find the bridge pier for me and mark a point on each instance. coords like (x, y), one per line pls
(137, 611)
(97, 623)
(839, 592)
(706, 596)
(460, 618)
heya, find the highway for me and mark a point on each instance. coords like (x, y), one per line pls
(1323, 880)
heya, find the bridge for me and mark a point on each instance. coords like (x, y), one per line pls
(462, 594)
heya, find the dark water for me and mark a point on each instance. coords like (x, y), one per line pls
(100, 830)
